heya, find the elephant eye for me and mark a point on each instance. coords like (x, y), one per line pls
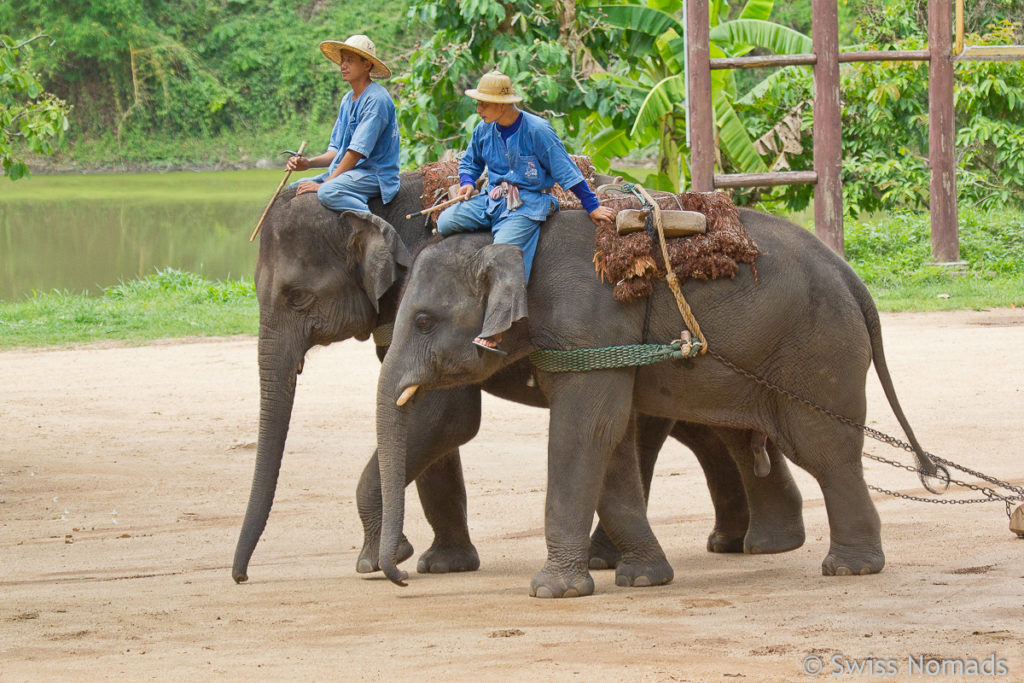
(424, 322)
(299, 299)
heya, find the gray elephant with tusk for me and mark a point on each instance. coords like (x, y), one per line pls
(805, 322)
(323, 277)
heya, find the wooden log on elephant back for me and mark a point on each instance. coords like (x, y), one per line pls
(676, 223)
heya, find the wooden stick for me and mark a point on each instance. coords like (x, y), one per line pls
(259, 225)
(437, 207)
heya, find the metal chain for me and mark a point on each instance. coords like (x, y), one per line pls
(990, 494)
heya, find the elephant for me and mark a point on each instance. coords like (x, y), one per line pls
(322, 277)
(803, 321)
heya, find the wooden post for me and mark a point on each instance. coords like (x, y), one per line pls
(942, 133)
(828, 129)
(700, 114)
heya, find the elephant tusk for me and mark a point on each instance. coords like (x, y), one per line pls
(407, 394)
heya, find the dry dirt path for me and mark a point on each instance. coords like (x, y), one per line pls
(124, 473)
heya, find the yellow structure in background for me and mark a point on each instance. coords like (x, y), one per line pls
(977, 53)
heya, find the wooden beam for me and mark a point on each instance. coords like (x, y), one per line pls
(700, 115)
(765, 179)
(763, 60)
(828, 127)
(942, 133)
(991, 53)
(811, 59)
(885, 56)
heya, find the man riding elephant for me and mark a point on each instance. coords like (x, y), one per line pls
(523, 157)
(362, 155)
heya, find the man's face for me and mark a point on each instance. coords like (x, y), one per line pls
(354, 68)
(490, 111)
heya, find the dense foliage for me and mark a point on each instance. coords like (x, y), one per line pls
(885, 119)
(140, 71)
(212, 80)
(31, 119)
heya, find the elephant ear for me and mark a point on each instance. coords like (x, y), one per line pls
(500, 269)
(379, 250)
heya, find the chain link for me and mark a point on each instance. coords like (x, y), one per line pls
(991, 495)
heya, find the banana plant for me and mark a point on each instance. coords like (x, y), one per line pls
(651, 65)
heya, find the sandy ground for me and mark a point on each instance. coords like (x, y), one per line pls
(124, 473)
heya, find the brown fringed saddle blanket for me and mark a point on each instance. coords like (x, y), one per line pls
(633, 261)
(629, 260)
(438, 176)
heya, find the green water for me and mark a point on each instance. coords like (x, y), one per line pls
(82, 233)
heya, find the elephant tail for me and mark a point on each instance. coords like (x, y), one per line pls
(926, 466)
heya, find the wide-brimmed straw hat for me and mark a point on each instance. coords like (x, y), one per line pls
(494, 87)
(360, 45)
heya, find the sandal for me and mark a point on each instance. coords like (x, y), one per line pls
(489, 345)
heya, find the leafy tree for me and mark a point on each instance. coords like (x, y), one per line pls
(651, 67)
(885, 122)
(142, 74)
(31, 119)
(548, 49)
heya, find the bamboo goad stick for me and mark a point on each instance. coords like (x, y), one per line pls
(280, 187)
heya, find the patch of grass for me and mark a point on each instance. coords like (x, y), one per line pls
(892, 254)
(169, 303)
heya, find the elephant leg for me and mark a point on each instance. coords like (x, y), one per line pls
(651, 433)
(854, 527)
(642, 561)
(590, 415)
(724, 482)
(775, 505)
(833, 457)
(442, 492)
(443, 421)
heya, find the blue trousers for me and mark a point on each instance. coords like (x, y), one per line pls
(473, 216)
(347, 192)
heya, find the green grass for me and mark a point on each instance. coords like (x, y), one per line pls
(170, 303)
(892, 255)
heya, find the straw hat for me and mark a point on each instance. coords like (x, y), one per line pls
(359, 45)
(494, 87)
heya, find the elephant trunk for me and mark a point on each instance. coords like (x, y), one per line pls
(392, 426)
(278, 369)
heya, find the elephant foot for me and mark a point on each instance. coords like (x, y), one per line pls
(603, 553)
(561, 582)
(369, 557)
(441, 560)
(845, 561)
(642, 573)
(783, 538)
(721, 542)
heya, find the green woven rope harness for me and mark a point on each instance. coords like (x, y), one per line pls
(608, 357)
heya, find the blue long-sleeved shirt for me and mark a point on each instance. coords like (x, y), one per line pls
(368, 125)
(527, 154)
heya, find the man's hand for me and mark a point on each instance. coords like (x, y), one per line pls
(306, 186)
(297, 164)
(465, 192)
(602, 213)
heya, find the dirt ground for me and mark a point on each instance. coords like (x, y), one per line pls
(124, 474)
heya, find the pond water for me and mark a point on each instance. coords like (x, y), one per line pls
(82, 233)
